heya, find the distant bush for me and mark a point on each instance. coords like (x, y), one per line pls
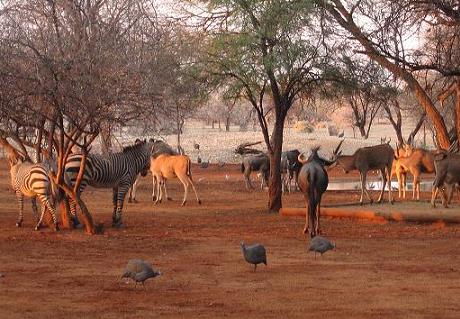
(303, 126)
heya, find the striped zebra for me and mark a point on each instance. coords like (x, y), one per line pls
(117, 171)
(32, 180)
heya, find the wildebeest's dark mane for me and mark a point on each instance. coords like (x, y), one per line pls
(134, 147)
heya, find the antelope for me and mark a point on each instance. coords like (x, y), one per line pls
(254, 163)
(290, 167)
(378, 157)
(313, 181)
(416, 161)
(398, 170)
(165, 167)
(447, 167)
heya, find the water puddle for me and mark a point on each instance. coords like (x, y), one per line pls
(376, 185)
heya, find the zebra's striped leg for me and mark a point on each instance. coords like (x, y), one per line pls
(20, 199)
(114, 201)
(39, 222)
(73, 213)
(117, 222)
(46, 205)
(52, 211)
(34, 208)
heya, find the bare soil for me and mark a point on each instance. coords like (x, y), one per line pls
(390, 270)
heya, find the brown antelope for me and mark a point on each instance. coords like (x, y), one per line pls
(313, 181)
(166, 167)
(401, 176)
(398, 170)
(416, 161)
(378, 157)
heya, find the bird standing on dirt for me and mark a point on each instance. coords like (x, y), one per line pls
(139, 271)
(320, 244)
(254, 254)
(204, 164)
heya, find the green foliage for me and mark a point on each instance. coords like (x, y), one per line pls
(274, 42)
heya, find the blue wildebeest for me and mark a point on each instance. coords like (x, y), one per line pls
(290, 167)
(117, 171)
(256, 163)
(447, 167)
(313, 181)
(378, 157)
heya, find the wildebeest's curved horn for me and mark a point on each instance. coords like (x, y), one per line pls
(301, 158)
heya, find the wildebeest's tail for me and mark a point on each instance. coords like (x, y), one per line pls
(312, 204)
(242, 167)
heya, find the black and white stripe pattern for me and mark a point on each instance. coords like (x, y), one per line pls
(117, 171)
(32, 180)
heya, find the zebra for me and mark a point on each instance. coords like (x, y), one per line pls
(32, 180)
(117, 171)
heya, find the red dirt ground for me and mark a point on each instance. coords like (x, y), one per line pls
(390, 270)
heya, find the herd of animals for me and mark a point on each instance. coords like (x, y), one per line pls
(122, 171)
(310, 174)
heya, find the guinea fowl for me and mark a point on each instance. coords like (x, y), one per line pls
(204, 164)
(139, 271)
(320, 244)
(254, 254)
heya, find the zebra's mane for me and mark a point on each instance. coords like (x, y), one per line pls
(134, 147)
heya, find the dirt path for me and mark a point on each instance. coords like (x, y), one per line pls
(392, 270)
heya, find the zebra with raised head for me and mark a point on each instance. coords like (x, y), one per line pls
(117, 171)
(32, 180)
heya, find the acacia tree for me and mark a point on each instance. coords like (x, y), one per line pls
(364, 87)
(381, 31)
(67, 68)
(264, 49)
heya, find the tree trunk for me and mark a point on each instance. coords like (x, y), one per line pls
(274, 183)
(106, 139)
(362, 130)
(414, 132)
(227, 124)
(457, 108)
(64, 209)
(397, 124)
(345, 19)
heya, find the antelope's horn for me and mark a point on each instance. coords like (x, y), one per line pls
(338, 147)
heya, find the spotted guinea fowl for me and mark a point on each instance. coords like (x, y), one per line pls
(254, 254)
(139, 271)
(320, 244)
